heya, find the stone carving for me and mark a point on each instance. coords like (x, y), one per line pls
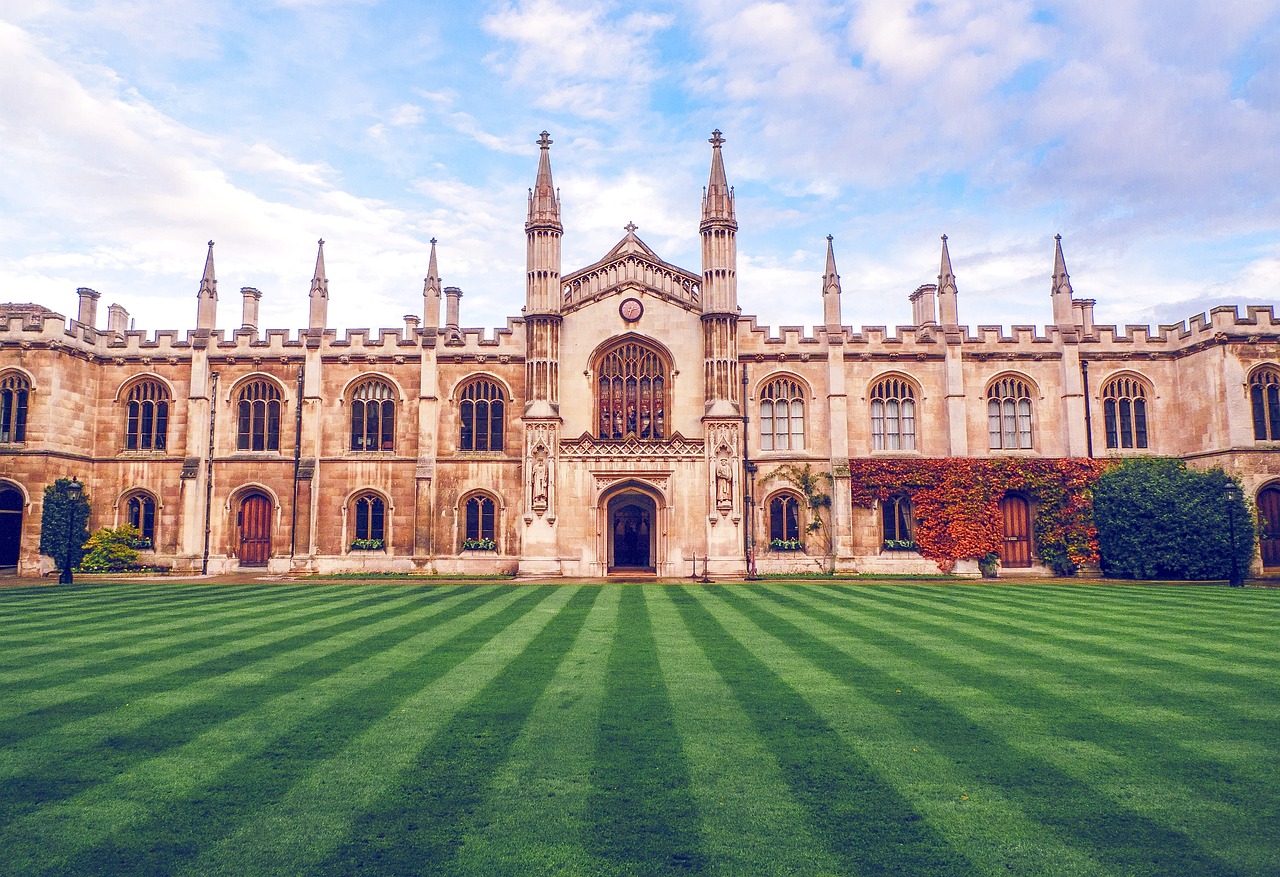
(589, 447)
(724, 482)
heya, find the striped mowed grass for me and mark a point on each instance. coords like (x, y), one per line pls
(629, 729)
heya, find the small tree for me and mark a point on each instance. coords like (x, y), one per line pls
(111, 550)
(60, 517)
(813, 487)
(1157, 519)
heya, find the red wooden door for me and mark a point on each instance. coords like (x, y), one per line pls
(1015, 549)
(1269, 511)
(255, 530)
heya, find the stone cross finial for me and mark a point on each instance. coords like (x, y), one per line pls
(545, 140)
(716, 139)
(631, 227)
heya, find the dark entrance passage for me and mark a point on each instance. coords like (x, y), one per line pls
(255, 530)
(631, 544)
(10, 526)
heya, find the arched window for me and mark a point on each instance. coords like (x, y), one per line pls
(482, 410)
(480, 514)
(631, 400)
(14, 392)
(784, 522)
(370, 521)
(898, 524)
(140, 511)
(893, 415)
(259, 417)
(148, 424)
(1124, 409)
(782, 416)
(1264, 392)
(373, 417)
(1009, 414)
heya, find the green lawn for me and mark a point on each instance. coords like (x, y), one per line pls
(736, 729)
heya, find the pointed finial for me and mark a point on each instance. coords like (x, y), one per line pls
(433, 242)
(716, 138)
(631, 227)
(830, 238)
(545, 140)
(944, 238)
(211, 245)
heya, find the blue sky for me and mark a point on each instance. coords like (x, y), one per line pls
(1144, 132)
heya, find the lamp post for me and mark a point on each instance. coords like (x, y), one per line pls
(1233, 496)
(72, 494)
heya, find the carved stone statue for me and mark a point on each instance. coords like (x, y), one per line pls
(540, 481)
(724, 482)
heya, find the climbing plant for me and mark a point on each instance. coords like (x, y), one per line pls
(956, 503)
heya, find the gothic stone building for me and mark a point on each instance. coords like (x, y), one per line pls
(627, 421)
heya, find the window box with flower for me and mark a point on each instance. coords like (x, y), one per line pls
(899, 545)
(786, 545)
(479, 545)
(367, 545)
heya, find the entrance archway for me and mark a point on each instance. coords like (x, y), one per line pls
(254, 524)
(10, 525)
(632, 543)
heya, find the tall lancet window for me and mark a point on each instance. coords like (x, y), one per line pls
(1009, 414)
(258, 417)
(373, 416)
(147, 426)
(893, 415)
(782, 416)
(631, 397)
(1124, 411)
(1264, 396)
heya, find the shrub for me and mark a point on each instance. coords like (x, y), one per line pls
(60, 517)
(1157, 519)
(111, 550)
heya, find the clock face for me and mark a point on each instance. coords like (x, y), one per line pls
(631, 309)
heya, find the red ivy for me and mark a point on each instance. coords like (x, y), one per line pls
(956, 503)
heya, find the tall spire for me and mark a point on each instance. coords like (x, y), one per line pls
(431, 293)
(717, 198)
(831, 291)
(1060, 291)
(544, 200)
(207, 298)
(319, 292)
(948, 310)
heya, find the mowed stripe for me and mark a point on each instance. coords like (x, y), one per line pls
(531, 821)
(75, 721)
(750, 821)
(299, 827)
(1047, 778)
(259, 705)
(1176, 690)
(91, 653)
(643, 816)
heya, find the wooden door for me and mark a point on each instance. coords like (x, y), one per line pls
(1015, 549)
(1269, 512)
(255, 530)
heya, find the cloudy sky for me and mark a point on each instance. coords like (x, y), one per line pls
(1146, 132)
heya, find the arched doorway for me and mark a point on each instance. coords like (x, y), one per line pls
(10, 526)
(1269, 513)
(632, 546)
(254, 523)
(1015, 548)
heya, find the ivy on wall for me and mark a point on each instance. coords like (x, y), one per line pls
(956, 504)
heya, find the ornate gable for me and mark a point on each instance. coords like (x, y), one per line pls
(631, 265)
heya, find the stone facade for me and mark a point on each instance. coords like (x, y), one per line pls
(628, 422)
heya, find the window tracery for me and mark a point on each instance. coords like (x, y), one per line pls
(631, 397)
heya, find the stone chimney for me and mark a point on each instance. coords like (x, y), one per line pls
(117, 321)
(452, 295)
(88, 313)
(1083, 308)
(249, 318)
(411, 323)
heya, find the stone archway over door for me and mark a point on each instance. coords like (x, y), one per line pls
(254, 520)
(10, 526)
(1015, 548)
(631, 532)
(1269, 512)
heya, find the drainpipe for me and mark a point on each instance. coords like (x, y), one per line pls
(748, 481)
(208, 476)
(1088, 411)
(297, 466)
